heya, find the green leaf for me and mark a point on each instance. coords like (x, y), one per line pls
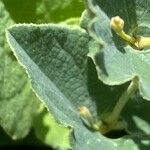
(115, 60)
(56, 66)
(18, 105)
(55, 58)
(57, 47)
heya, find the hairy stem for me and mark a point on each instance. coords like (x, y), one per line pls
(110, 120)
(127, 38)
(125, 97)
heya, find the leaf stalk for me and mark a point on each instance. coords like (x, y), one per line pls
(110, 120)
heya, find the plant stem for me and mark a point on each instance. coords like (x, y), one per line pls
(117, 24)
(125, 97)
(111, 119)
(127, 38)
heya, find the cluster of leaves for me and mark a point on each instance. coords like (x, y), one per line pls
(20, 109)
(64, 78)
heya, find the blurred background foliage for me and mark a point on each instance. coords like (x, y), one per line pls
(23, 118)
(43, 11)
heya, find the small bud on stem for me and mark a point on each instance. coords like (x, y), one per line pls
(84, 112)
(117, 24)
(88, 118)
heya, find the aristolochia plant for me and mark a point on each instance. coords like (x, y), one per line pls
(115, 38)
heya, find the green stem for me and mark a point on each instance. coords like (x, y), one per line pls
(117, 24)
(125, 98)
(127, 38)
(111, 119)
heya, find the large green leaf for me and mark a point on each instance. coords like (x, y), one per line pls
(55, 59)
(58, 74)
(116, 61)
